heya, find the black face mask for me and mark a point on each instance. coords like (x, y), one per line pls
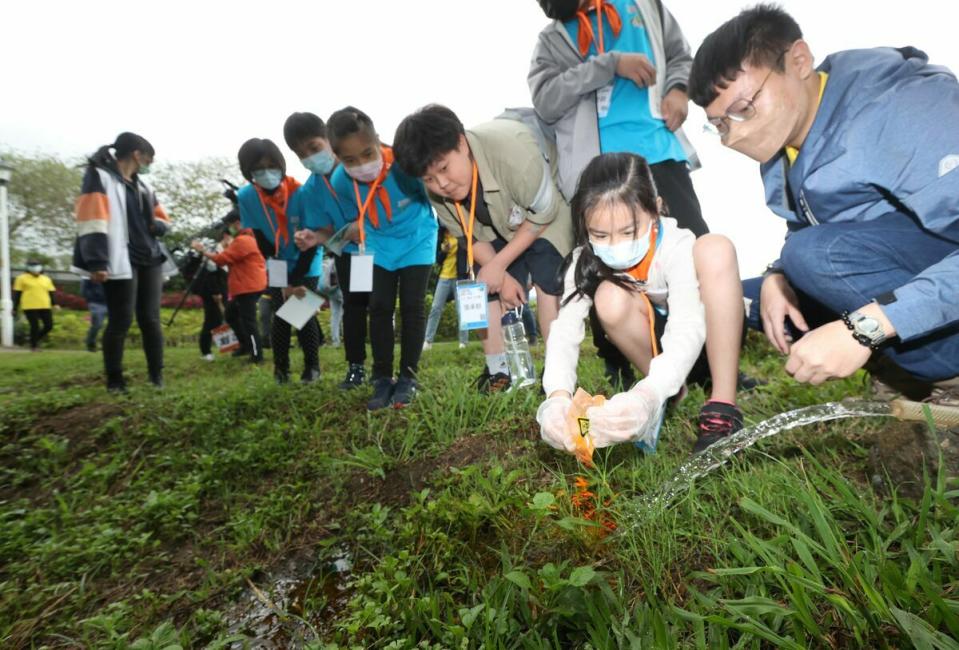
(559, 9)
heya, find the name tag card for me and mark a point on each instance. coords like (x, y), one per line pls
(604, 98)
(361, 273)
(276, 270)
(471, 305)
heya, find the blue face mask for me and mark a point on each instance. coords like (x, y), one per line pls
(268, 179)
(624, 255)
(320, 163)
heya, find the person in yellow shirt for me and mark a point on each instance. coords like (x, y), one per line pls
(445, 289)
(33, 292)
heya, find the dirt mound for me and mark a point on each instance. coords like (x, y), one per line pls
(395, 488)
(904, 450)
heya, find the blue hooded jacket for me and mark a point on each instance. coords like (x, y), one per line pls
(885, 139)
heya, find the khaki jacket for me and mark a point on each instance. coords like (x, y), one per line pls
(518, 185)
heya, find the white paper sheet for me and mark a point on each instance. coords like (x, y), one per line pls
(297, 311)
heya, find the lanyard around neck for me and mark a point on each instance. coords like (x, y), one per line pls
(468, 229)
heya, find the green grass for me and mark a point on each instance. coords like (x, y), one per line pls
(142, 521)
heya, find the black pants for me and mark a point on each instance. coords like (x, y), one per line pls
(281, 332)
(265, 317)
(410, 282)
(140, 295)
(676, 189)
(36, 317)
(355, 314)
(212, 318)
(241, 314)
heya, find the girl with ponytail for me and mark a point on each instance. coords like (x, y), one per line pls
(119, 222)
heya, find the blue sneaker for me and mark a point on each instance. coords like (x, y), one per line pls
(382, 394)
(403, 392)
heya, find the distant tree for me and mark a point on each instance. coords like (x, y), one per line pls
(44, 188)
(192, 194)
(42, 192)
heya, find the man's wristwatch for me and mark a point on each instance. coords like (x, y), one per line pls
(865, 329)
(773, 269)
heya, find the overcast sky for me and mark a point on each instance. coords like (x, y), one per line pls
(198, 78)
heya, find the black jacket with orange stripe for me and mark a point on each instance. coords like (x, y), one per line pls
(105, 236)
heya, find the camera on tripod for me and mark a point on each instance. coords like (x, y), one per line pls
(189, 261)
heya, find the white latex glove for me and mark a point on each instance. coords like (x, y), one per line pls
(630, 416)
(551, 416)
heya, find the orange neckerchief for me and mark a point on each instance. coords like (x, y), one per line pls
(586, 34)
(277, 201)
(468, 229)
(330, 187)
(376, 190)
(641, 272)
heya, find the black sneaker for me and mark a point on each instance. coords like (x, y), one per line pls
(157, 380)
(117, 387)
(382, 394)
(355, 376)
(487, 383)
(403, 392)
(716, 421)
(310, 375)
(281, 377)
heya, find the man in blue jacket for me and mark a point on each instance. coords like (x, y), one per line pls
(860, 156)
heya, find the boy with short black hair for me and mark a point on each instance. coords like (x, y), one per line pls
(306, 134)
(495, 188)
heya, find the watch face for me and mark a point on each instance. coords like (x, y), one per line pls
(867, 325)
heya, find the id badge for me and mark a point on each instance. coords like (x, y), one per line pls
(361, 273)
(276, 271)
(604, 98)
(471, 305)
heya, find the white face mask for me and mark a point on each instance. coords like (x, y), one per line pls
(367, 172)
(321, 163)
(36, 269)
(268, 179)
(624, 255)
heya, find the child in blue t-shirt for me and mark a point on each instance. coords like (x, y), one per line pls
(323, 215)
(270, 205)
(393, 222)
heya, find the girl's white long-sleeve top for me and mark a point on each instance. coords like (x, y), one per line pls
(672, 285)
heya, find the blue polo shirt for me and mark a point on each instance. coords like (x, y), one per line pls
(321, 208)
(253, 214)
(627, 125)
(409, 238)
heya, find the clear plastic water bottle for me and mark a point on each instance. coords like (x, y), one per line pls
(521, 370)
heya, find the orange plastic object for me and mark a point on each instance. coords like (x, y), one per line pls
(577, 424)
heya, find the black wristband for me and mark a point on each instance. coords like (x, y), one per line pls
(886, 298)
(861, 339)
